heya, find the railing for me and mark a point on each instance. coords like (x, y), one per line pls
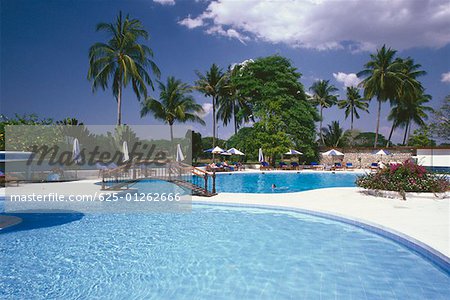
(179, 173)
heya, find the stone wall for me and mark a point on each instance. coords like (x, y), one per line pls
(363, 158)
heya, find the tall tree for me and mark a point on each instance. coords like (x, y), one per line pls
(211, 85)
(232, 105)
(324, 98)
(409, 93)
(440, 126)
(351, 105)
(122, 60)
(283, 116)
(175, 104)
(382, 80)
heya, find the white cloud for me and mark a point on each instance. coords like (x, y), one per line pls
(347, 79)
(207, 108)
(445, 77)
(165, 2)
(330, 24)
(191, 23)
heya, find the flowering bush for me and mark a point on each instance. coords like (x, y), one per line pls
(405, 177)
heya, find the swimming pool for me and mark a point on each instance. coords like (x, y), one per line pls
(286, 182)
(213, 252)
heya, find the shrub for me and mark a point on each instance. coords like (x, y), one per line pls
(405, 177)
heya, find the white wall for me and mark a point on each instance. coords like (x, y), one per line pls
(433, 157)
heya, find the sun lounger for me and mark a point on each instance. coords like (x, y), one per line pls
(283, 166)
(295, 166)
(349, 166)
(265, 166)
(338, 166)
(374, 167)
(315, 166)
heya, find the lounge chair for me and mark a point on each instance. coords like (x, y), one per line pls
(295, 166)
(283, 166)
(349, 166)
(264, 166)
(315, 165)
(338, 166)
(374, 167)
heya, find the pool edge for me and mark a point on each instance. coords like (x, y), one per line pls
(436, 257)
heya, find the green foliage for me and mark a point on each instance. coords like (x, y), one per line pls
(122, 60)
(39, 135)
(334, 135)
(440, 126)
(212, 84)
(284, 118)
(421, 138)
(367, 139)
(246, 141)
(207, 143)
(196, 146)
(175, 105)
(324, 98)
(352, 104)
(406, 177)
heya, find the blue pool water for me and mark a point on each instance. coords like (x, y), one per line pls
(285, 182)
(211, 253)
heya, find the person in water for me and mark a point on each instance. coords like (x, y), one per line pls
(273, 186)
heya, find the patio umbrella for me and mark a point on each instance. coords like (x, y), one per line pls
(293, 152)
(126, 156)
(225, 153)
(180, 156)
(382, 152)
(76, 154)
(217, 150)
(333, 153)
(260, 155)
(235, 151)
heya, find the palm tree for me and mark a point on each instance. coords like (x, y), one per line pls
(211, 85)
(122, 60)
(333, 135)
(383, 79)
(231, 104)
(351, 105)
(322, 96)
(410, 90)
(175, 105)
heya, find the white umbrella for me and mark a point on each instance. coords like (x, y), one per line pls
(126, 156)
(180, 156)
(332, 152)
(217, 150)
(225, 153)
(260, 155)
(293, 152)
(76, 154)
(382, 152)
(234, 151)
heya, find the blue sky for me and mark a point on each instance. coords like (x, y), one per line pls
(44, 48)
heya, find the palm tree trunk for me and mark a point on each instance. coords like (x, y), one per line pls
(172, 146)
(378, 124)
(406, 132)
(119, 105)
(235, 124)
(320, 125)
(390, 134)
(351, 122)
(214, 122)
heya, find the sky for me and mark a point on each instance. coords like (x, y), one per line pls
(44, 49)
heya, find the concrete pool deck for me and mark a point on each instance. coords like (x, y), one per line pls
(424, 219)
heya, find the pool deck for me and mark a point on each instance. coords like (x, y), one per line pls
(424, 219)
